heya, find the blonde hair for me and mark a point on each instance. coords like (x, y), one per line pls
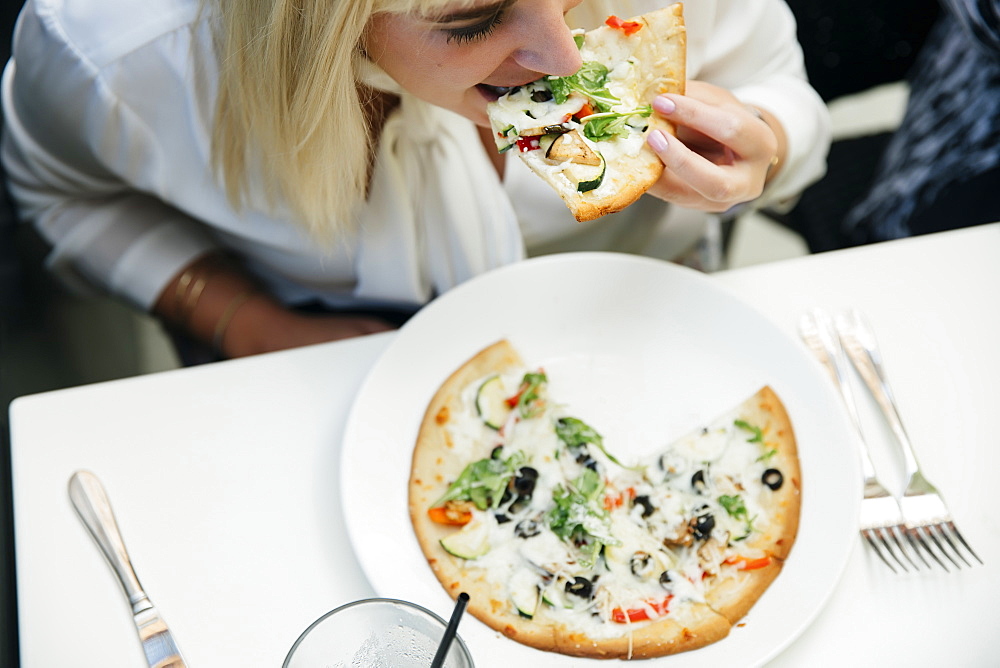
(289, 105)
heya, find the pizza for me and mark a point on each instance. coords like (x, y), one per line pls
(564, 545)
(585, 134)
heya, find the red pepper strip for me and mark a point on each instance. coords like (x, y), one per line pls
(640, 614)
(585, 110)
(612, 501)
(525, 144)
(445, 515)
(747, 564)
(627, 27)
(512, 400)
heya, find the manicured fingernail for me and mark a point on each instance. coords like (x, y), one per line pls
(664, 105)
(657, 141)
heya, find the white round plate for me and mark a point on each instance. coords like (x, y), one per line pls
(642, 350)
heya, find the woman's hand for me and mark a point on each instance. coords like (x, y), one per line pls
(723, 153)
(214, 302)
(263, 325)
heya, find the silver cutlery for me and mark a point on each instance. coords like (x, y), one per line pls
(91, 503)
(929, 524)
(882, 524)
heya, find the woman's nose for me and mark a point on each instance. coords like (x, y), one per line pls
(549, 47)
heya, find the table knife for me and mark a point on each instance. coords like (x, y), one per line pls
(91, 503)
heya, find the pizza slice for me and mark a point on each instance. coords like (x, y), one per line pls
(565, 546)
(585, 134)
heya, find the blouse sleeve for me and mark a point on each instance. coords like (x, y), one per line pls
(72, 150)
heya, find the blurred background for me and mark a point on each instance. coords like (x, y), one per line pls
(857, 54)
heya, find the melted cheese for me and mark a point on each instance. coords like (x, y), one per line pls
(654, 556)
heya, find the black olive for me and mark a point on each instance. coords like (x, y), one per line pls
(519, 504)
(501, 518)
(541, 95)
(640, 564)
(703, 525)
(524, 483)
(524, 486)
(580, 586)
(665, 578)
(527, 528)
(698, 481)
(773, 478)
(647, 507)
(591, 464)
(580, 453)
(507, 496)
(528, 472)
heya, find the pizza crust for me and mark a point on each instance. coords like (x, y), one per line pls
(434, 463)
(663, 41)
(766, 410)
(437, 461)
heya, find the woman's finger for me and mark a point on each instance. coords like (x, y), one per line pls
(729, 123)
(721, 185)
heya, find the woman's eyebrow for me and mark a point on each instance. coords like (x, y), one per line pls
(475, 13)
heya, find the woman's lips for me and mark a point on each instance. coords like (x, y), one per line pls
(493, 93)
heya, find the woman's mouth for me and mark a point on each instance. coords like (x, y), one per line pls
(494, 93)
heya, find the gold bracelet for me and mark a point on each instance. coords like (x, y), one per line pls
(227, 316)
(193, 297)
(182, 287)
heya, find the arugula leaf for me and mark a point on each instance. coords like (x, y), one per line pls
(611, 124)
(758, 435)
(734, 505)
(588, 81)
(737, 509)
(528, 394)
(483, 482)
(767, 455)
(576, 433)
(579, 516)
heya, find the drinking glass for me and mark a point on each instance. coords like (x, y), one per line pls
(376, 633)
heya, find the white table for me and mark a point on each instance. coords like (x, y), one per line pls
(223, 478)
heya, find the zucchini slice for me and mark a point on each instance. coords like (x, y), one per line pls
(585, 185)
(470, 542)
(554, 596)
(491, 402)
(524, 592)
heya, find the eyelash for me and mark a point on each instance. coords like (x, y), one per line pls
(476, 32)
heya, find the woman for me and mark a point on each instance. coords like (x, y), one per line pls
(261, 179)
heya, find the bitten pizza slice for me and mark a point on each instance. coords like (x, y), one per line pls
(585, 134)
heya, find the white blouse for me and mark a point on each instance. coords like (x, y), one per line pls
(108, 106)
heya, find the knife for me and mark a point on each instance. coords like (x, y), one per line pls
(91, 503)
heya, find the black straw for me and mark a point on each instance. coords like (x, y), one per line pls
(449, 633)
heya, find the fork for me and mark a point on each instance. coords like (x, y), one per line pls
(881, 519)
(929, 524)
